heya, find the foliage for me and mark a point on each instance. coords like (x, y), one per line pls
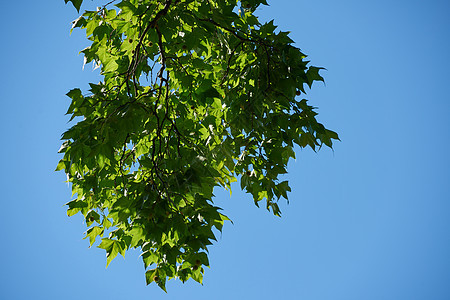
(195, 94)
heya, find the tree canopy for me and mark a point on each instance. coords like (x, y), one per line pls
(195, 94)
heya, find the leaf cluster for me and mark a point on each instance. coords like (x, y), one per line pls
(195, 95)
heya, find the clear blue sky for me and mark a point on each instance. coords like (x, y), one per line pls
(370, 220)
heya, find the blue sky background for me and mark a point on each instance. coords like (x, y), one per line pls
(370, 220)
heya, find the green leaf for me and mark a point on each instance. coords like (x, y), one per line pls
(92, 234)
(112, 247)
(75, 206)
(149, 258)
(151, 276)
(79, 22)
(76, 3)
(91, 217)
(137, 234)
(313, 75)
(283, 188)
(61, 165)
